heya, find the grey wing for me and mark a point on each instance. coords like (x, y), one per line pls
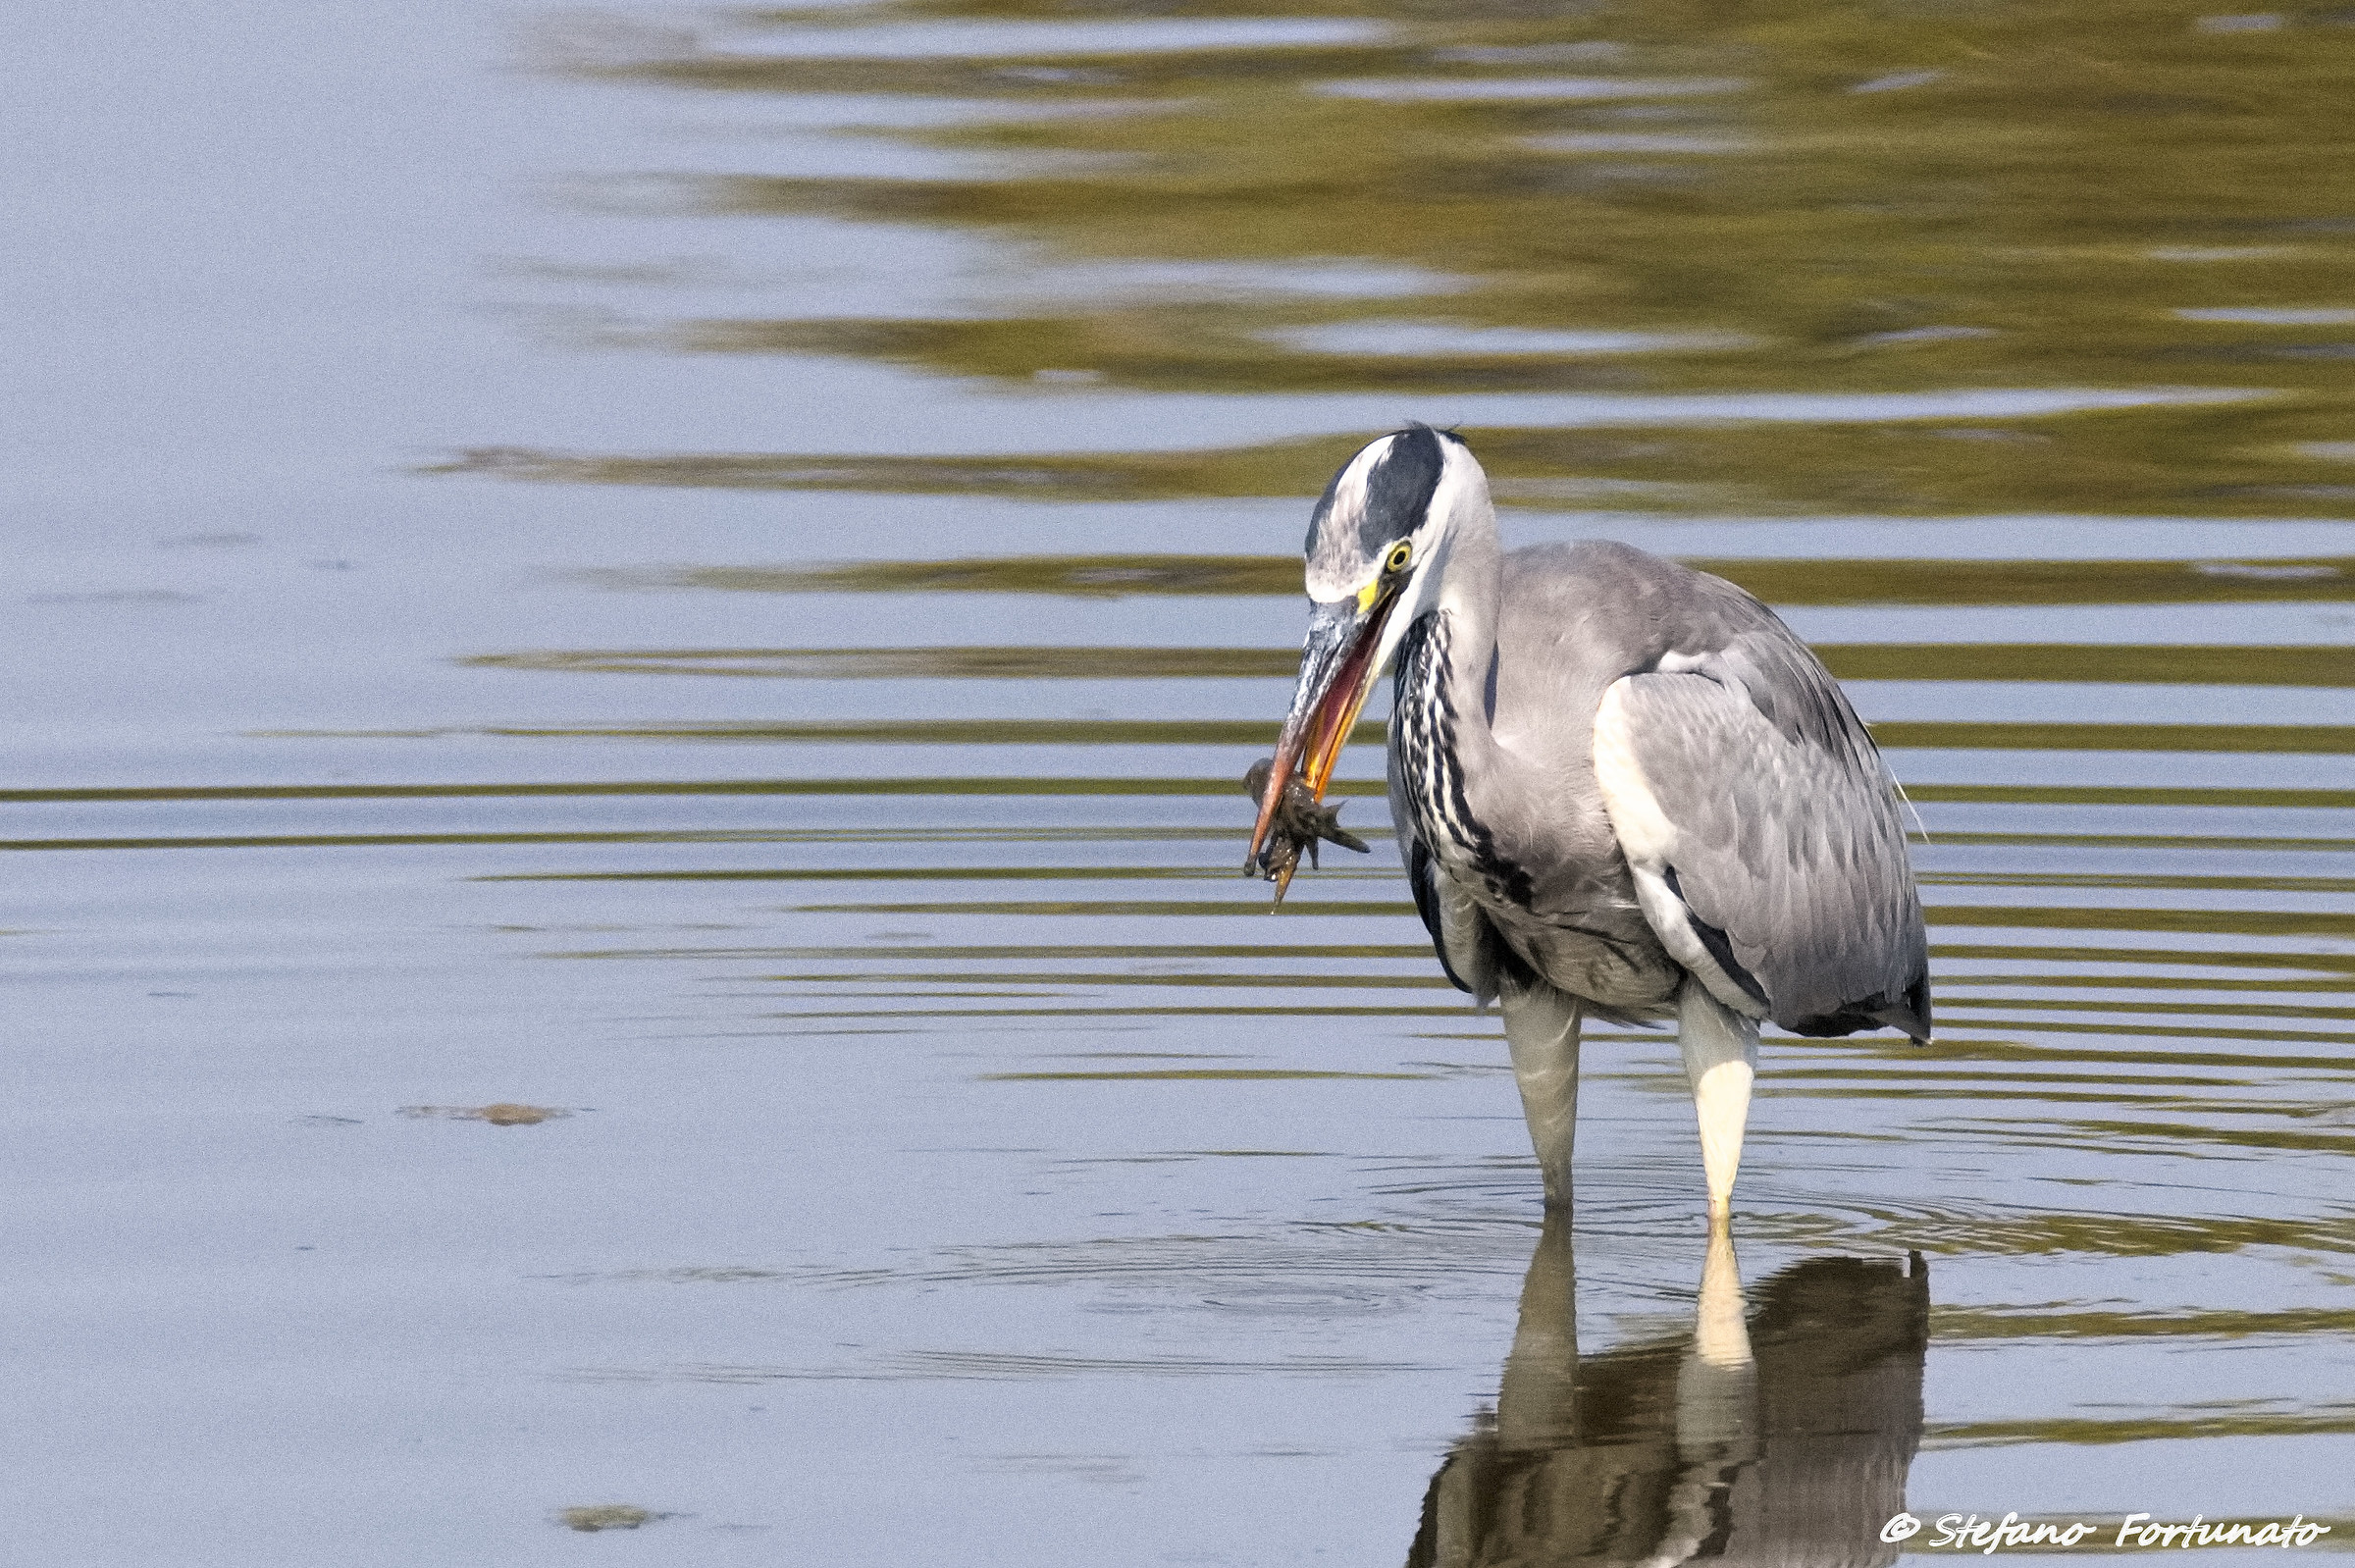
(1763, 832)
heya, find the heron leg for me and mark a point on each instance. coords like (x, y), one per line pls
(1721, 1058)
(1540, 1025)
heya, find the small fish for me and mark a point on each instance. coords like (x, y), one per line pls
(1298, 823)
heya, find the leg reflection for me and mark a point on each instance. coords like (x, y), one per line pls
(1779, 1433)
(1537, 1406)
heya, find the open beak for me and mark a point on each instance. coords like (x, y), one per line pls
(1336, 673)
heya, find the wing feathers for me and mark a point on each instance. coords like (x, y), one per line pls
(1763, 831)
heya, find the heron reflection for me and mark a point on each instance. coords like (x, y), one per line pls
(1778, 1432)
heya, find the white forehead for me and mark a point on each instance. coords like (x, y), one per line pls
(1338, 563)
(1349, 486)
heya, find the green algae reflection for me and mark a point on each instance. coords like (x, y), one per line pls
(1615, 199)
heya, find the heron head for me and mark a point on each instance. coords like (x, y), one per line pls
(1376, 545)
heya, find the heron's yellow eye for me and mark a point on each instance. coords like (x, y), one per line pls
(1400, 553)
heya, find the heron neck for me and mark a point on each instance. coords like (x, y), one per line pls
(1468, 597)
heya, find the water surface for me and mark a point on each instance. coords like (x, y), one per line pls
(633, 641)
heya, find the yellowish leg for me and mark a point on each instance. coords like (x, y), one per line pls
(1721, 1058)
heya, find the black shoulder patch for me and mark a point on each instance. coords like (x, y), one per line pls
(1400, 489)
(1422, 877)
(1713, 940)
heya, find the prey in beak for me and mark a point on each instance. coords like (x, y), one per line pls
(1299, 817)
(1338, 670)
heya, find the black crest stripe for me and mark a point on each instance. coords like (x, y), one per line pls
(1400, 489)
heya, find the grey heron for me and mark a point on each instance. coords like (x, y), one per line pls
(1622, 789)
